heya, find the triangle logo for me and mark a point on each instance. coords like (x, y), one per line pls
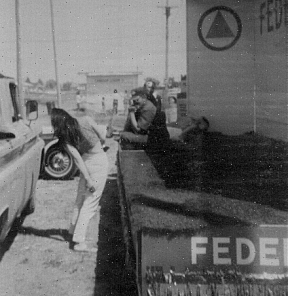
(219, 28)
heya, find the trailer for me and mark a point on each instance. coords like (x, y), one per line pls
(237, 65)
(214, 225)
(209, 217)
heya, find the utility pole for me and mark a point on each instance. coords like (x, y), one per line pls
(55, 57)
(20, 97)
(167, 14)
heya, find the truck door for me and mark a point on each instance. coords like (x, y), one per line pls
(13, 178)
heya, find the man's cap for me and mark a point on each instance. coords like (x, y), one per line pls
(140, 91)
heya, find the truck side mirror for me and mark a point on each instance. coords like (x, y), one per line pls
(31, 110)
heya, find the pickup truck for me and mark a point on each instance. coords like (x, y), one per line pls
(21, 149)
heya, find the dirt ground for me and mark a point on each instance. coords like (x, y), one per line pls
(37, 261)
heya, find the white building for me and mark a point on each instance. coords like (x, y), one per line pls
(103, 85)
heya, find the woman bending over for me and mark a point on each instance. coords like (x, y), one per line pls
(85, 140)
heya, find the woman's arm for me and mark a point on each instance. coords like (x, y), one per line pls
(80, 164)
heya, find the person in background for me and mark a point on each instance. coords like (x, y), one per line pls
(78, 100)
(103, 106)
(85, 140)
(171, 112)
(126, 102)
(115, 101)
(158, 134)
(139, 120)
(152, 95)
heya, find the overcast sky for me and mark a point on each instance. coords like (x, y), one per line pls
(93, 35)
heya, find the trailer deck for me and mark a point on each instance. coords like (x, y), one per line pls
(185, 240)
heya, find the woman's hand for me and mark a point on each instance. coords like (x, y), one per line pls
(132, 109)
(90, 185)
(81, 165)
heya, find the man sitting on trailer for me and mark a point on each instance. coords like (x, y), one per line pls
(139, 120)
(152, 95)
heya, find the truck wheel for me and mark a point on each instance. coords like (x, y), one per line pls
(59, 164)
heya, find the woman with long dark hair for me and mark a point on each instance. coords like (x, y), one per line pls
(85, 140)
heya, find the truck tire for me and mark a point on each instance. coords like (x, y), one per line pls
(59, 164)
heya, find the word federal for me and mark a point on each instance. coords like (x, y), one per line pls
(261, 251)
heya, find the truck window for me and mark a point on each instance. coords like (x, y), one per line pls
(13, 93)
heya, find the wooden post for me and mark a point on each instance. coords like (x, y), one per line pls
(55, 56)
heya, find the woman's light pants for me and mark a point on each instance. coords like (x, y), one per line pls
(86, 202)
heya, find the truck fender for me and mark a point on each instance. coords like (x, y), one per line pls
(50, 144)
(43, 154)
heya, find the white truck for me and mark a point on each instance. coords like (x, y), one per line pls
(20, 156)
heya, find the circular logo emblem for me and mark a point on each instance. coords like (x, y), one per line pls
(219, 28)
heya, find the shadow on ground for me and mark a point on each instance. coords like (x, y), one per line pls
(110, 268)
(17, 228)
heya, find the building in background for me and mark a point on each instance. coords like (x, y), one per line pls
(82, 87)
(103, 85)
(106, 83)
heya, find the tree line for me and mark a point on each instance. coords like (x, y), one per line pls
(52, 84)
(67, 86)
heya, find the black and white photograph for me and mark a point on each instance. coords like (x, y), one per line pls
(143, 148)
